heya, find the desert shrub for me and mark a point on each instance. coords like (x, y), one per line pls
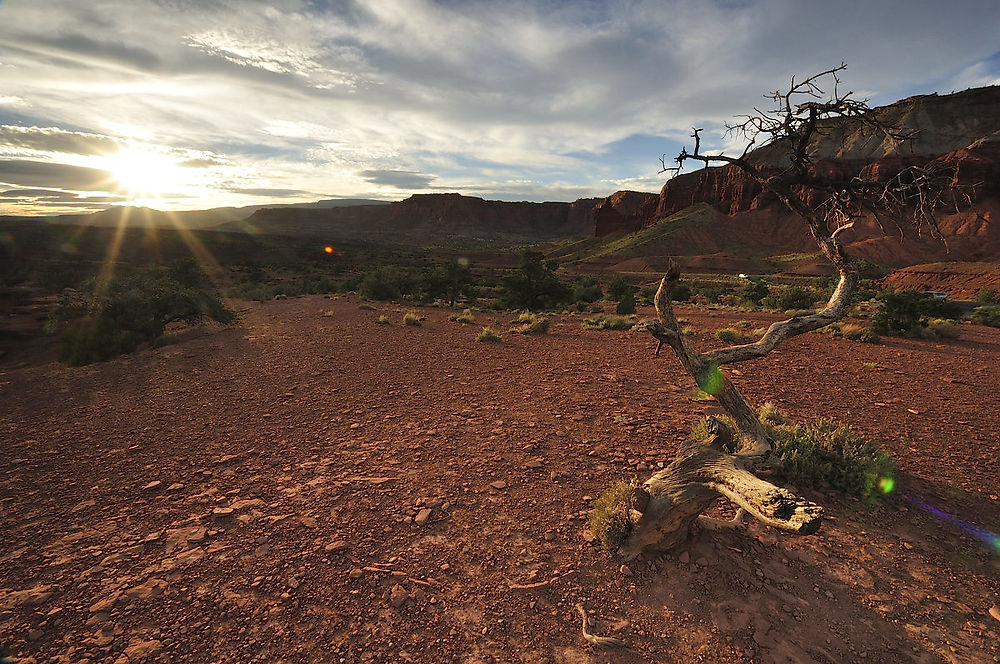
(710, 292)
(411, 318)
(988, 296)
(534, 285)
(387, 282)
(905, 313)
(447, 282)
(742, 324)
(796, 297)
(384, 320)
(727, 335)
(753, 292)
(689, 331)
(364, 306)
(769, 414)
(464, 317)
(597, 308)
(587, 290)
(608, 323)
(943, 329)
(134, 309)
(610, 521)
(529, 323)
(490, 336)
(680, 293)
(986, 316)
(868, 336)
(619, 287)
(821, 453)
(853, 331)
(626, 306)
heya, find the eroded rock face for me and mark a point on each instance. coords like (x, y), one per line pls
(960, 131)
(623, 211)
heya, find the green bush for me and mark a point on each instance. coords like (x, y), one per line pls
(626, 306)
(384, 320)
(489, 336)
(608, 323)
(988, 296)
(447, 282)
(753, 293)
(610, 520)
(796, 297)
(821, 453)
(680, 293)
(534, 285)
(411, 318)
(940, 328)
(905, 313)
(587, 290)
(986, 316)
(619, 287)
(387, 282)
(134, 309)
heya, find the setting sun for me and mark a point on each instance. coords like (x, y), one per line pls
(145, 172)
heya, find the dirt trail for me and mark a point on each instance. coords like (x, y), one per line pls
(312, 486)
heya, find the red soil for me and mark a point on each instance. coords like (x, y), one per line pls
(294, 454)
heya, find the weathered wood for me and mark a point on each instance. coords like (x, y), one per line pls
(703, 471)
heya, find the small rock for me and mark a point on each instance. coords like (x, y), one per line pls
(702, 561)
(624, 569)
(995, 612)
(356, 573)
(140, 651)
(534, 464)
(398, 596)
(152, 486)
(549, 535)
(422, 516)
(220, 513)
(176, 486)
(499, 485)
(333, 547)
(685, 557)
(293, 583)
(35, 634)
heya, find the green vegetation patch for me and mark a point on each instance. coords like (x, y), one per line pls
(606, 322)
(489, 336)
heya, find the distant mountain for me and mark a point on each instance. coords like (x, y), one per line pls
(743, 223)
(427, 218)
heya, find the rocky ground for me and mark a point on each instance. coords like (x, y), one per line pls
(311, 486)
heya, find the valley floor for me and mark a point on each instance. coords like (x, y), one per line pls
(310, 486)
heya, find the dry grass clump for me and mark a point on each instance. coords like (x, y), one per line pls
(411, 318)
(383, 320)
(610, 520)
(529, 323)
(728, 335)
(489, 336)
(464, 317)
(607, 322)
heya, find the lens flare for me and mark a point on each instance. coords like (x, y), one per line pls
(712, 381)
(886, 484)
(990, 539)
(328, 250)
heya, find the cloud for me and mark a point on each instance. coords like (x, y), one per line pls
(521, 99)
(47, 174)
(52, 139)
(398, 179)
(53, 197)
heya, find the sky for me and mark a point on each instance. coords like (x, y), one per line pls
(192, 104)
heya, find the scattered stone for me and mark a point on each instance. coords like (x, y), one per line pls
(152, 486)
(702, 561)
(141, 651)
(293, 583)
(226, 458)
(35, 634)
(422, 516)
(535, 463)
(221, 513)
(550, 535)
(685, 557)
(398, 596)
(995, 612)
(336, 546)
(624, 569)
(176, 486)
(499, 485)
(356, 573)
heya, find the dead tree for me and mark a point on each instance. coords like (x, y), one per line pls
(664, 510)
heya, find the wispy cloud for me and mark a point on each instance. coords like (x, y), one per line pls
(521, 99)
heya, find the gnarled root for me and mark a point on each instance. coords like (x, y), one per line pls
(669, 503)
